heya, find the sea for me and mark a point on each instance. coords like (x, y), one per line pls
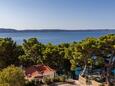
(55, 37)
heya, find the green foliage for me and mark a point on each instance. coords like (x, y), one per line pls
(9, 52)
(30, 83)
(63, 57)
(33, 52)
(60, 79)
(53, 57)
(12, 76)
(48, 80)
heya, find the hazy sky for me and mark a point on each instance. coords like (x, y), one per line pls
(57, 14)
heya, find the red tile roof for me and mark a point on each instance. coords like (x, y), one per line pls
(38, 70)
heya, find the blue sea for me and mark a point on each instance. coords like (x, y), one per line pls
(55, 37)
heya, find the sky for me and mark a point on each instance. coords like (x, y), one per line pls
(57, 14)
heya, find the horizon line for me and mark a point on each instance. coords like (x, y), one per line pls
(58, 29)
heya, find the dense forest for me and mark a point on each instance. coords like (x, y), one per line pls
(64, 58)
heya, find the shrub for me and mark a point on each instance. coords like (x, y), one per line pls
(59, 79)
(47, 80)
(30, 83)
(12, 76)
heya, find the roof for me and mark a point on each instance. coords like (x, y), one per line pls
(38, 70)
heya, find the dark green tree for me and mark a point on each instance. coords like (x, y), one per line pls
(9, 52)
(33, 52)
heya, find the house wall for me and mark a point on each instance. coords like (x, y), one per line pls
(50, 75)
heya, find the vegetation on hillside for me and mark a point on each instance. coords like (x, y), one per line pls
(12, 76)
(65, 57)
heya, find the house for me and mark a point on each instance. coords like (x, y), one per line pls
(39, 72)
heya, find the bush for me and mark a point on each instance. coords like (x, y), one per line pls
(60, 79)
(47, 80)
(56, 79)
(34, 83)
(12, 76)
(30, 83)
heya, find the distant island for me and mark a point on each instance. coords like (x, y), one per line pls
(2, 30)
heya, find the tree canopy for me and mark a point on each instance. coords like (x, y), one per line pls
(12, 76)
(9, 52)
(63, 57)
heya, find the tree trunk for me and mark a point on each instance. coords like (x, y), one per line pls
(83, 72)
(109, 70)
